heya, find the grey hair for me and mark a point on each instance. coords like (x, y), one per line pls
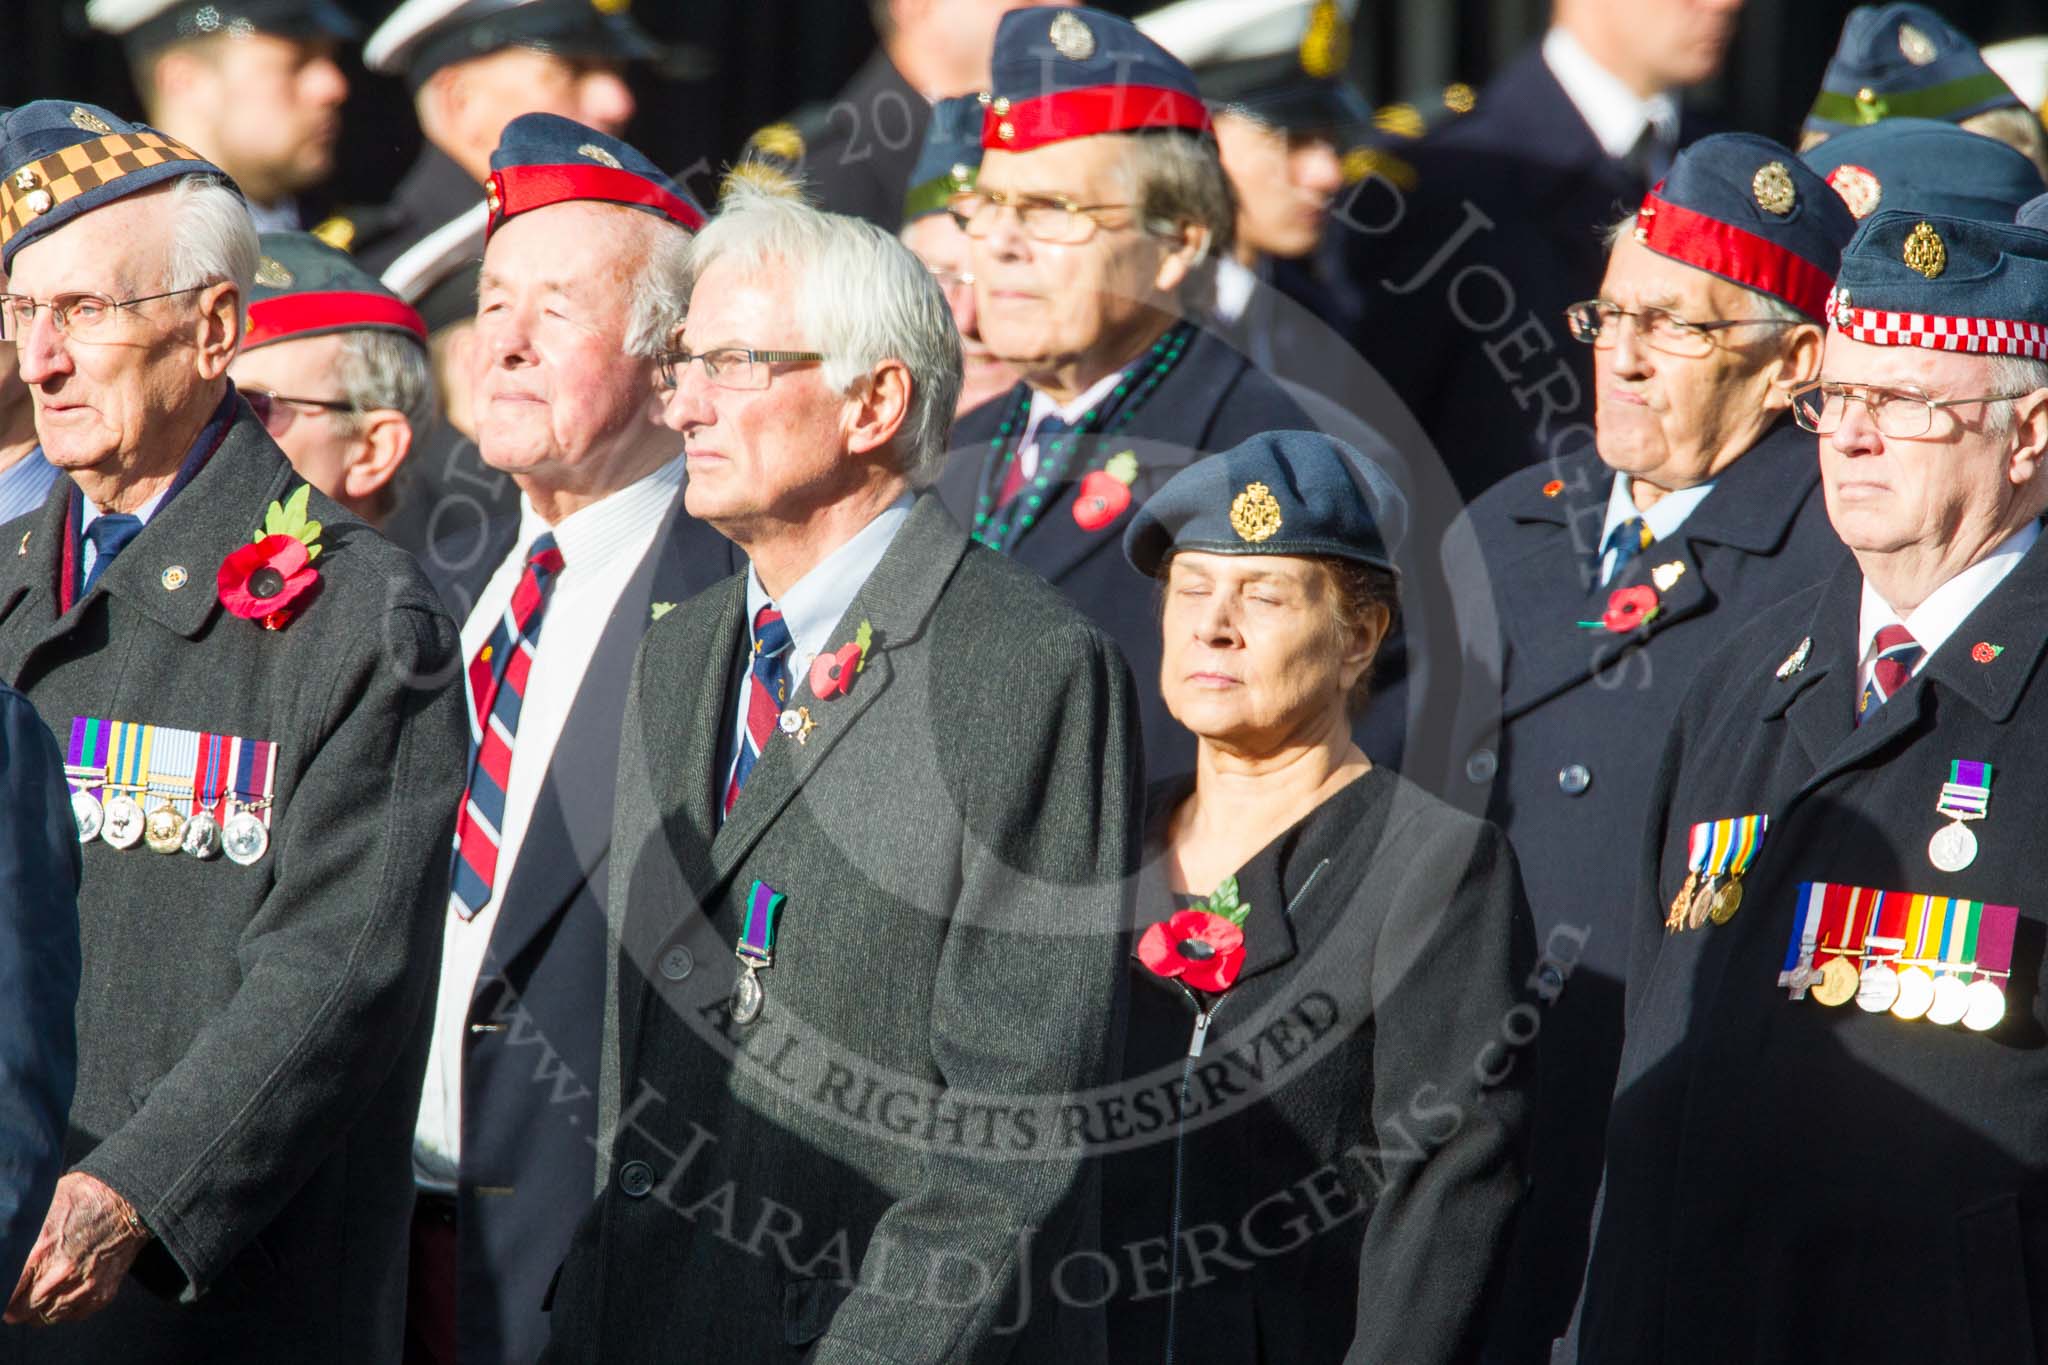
(2021, 374)
(382, 369)
(861, 298)
(1775, 308)
(212, 238)
(661, 290)
(1175, 178)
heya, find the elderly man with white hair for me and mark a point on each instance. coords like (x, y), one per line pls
(874, 823)
(1864, 1011)
(252, 691)
(588, 239)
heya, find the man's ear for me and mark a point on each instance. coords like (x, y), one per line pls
(217, 332)
(2029, 437)
(880, 407)
(1187, 247)
(385, 442)
(1797, 365)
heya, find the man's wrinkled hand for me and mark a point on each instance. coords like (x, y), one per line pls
(89, 1239)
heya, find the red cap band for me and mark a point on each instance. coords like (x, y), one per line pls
(521, 189)
(1732, 253)
(1026, 124)
(290, 315)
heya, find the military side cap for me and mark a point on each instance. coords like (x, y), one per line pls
(422, 36)
(1904, 61)
(949, 160)
(1744, 208)
(1945, 284)
(1926, 166)
(306, 288)
(544, 159)
(145, 26)
(1068, 73)
(1280, 493)
(59, 159)
(1284, 62)
(2034, 213)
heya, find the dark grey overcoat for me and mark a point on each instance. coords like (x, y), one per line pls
(251, 1039)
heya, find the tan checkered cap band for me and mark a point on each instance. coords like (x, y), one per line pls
(80, 169)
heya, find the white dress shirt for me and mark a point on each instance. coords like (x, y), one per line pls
(1946, 608)
(1665, 516)
(815, 604)
(601, 546)
(1615, 113)
(1043, 405)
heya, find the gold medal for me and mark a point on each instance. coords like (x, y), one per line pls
(1702, 903)
(1726, 901)
(164, 831)
(1838, 982)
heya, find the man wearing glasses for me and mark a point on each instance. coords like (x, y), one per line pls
(874, 820)
(251, 689)
(1100, 203)
(335, 367)
(585, 238)
(1839, 1080)
(1615, 578)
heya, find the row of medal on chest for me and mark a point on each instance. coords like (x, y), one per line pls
(123, 823)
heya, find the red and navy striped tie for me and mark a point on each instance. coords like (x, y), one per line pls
(1897, 652)
(497, 686)
(767, 693)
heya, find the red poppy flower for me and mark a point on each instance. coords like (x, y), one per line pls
(1984, 651)
(1102, 499)
(257, 582)
(1553, 488)
(832, 672)
(1205, 950)
(1628, 608)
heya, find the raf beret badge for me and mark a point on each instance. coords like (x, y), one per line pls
(1925, 251)
(1255, 513)
(1773, 189)
(1072, 38)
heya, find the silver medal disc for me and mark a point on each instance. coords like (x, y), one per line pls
(202, 836)
(85, 809)
(1951, 1000)
(1877, 989)
(1987, 1006)
(244, 839)
(747, 996)
(123, 823)
(1952, 848)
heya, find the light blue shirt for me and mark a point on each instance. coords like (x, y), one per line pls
(1664, 518)
(817, 603)
(25, 485)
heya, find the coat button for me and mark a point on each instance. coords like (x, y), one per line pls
(1573, 779)
(636, 1178)
(677, 963)
(1482, 766)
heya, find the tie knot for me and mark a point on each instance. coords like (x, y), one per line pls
(771, 633)
(1631, 537)
(110, 532)
(1051, 427)
(1896, 641)
(544, 556)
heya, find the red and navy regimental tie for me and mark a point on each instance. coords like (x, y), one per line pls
(767, 694)
(497, 686)
(1897, 652)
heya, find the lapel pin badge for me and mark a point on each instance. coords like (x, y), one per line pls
(1984, 651)
(22, 549)
(657, 610)
(1664, 575)
(1796, 660)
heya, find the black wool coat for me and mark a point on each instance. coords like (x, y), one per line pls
(1773, 1160)
(251, 1039)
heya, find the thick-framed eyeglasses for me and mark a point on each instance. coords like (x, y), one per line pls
(1597, 323)
(1820, 408)
(76, 315)
(732, 367)
(1051, 218)
(278, 411)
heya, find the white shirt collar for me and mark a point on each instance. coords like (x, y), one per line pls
(1613, 111)
(1043, 404)
(592, 538)
(1664, 518)
(1948, 606)
(818, 601)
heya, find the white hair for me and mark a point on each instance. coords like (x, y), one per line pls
(212, 238)
(380, 369)
(2021, 374)
(661, 289)
(861, 298)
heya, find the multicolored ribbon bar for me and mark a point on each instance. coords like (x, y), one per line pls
(757, 938)
(86, 758)
(1726, 848)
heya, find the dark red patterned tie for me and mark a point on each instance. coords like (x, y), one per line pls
(1897, 652)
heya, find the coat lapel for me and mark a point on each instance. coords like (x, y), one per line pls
(896, 601)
